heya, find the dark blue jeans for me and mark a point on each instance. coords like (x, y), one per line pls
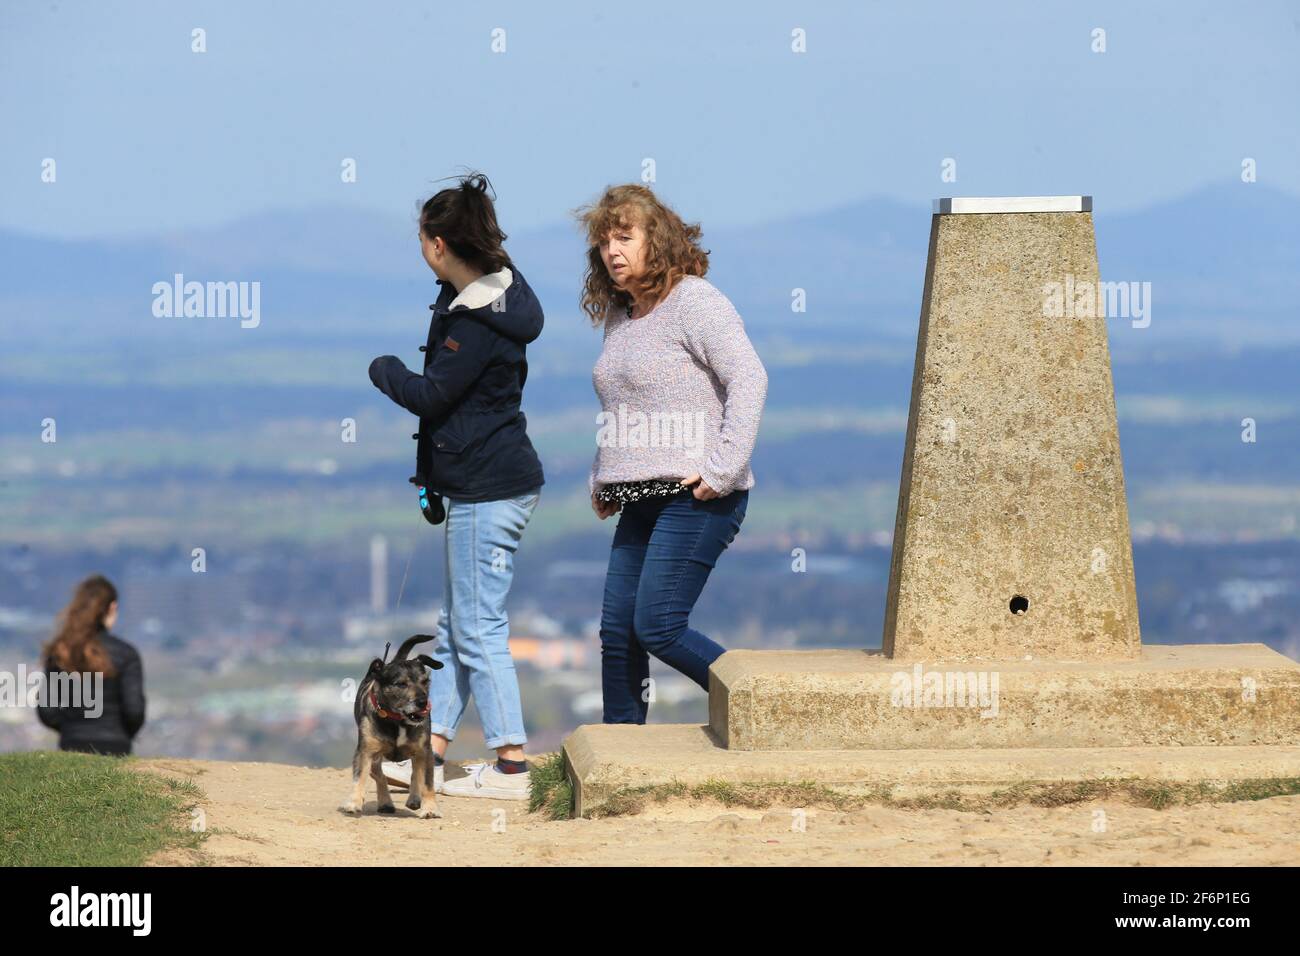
(662, 553)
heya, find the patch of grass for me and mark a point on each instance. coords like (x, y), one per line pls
(1152, 794)
(754, 796)
(1260, 788)
(634, 799)
(550, 790)
(72, 809)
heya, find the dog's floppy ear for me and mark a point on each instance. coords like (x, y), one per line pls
(428, 661)
(375, 667)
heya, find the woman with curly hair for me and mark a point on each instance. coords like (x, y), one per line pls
(681, 391)
(104, 711)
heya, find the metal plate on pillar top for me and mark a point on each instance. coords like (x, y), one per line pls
(1008, 204)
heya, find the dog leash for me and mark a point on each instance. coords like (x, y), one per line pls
(429, 512)
(409, 558)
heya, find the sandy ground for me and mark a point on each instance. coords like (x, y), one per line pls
(270, 814)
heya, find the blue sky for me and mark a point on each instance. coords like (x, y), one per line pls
(150, 137)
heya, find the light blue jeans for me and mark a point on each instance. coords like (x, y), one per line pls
(481, 538)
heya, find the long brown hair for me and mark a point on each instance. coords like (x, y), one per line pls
(672, 248)
(466, 219)
(76, 646)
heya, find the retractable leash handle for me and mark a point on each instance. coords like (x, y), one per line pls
(431, 507)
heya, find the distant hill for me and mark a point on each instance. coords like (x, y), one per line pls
(1222, 262)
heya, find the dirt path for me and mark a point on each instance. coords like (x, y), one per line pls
(271, 814)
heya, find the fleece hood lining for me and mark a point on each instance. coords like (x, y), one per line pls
(483, 290)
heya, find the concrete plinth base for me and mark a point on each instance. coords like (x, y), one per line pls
(1184, 695)
(604, 760)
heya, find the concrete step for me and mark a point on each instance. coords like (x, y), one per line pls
(606, 759)
(1172, 695)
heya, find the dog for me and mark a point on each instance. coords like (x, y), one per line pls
(392, 714)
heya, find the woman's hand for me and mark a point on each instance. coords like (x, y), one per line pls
(381, 366)
(702, 491)
(604, 509)
(385, 372)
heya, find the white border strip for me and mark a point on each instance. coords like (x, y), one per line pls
(995, 204)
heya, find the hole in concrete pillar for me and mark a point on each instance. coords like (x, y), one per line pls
(1019, 604)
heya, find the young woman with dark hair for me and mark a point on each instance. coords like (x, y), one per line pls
(682, 391)
(473, 450)
(111, 709)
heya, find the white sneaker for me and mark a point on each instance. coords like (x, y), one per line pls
(485, 780)
(399, 774)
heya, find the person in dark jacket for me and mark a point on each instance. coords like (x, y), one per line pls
(104, 711)
(473, 450)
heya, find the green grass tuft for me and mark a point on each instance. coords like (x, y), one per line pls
(72, 809)
(550, 790)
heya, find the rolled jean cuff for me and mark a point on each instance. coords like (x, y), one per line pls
(441, 731)
(509, 740)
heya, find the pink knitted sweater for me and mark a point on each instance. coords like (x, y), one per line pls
(681, 392)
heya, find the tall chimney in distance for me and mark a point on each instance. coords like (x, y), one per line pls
(378, 574)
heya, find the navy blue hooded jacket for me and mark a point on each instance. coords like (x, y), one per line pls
(472, 444)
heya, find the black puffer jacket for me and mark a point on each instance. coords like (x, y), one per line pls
(122, 716)
(472, 443)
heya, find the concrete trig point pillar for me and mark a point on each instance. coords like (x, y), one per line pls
(1012, 535)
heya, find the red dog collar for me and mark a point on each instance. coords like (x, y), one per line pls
(390, 715)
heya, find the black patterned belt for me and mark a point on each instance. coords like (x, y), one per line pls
(629, 491)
